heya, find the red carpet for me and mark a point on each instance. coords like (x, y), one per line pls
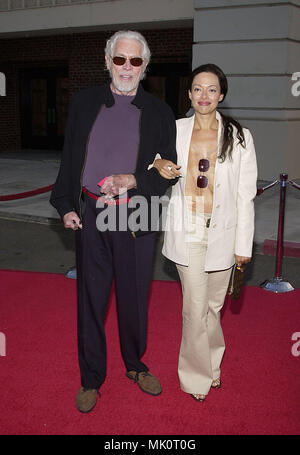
(39, 374)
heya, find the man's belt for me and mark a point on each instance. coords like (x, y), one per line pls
(107, 201)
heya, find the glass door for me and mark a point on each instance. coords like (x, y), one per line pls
(43, 107)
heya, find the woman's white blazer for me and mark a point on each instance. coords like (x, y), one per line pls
(231, 227)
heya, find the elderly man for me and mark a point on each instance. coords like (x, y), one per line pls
(112, 137)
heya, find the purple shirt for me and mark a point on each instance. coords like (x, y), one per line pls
(113, 144)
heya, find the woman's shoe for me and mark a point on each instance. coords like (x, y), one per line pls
(198, 396)
(216, 384)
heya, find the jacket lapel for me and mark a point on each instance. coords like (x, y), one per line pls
(184, 141)
(220, 130)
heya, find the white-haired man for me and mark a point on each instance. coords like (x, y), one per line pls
(112, 137)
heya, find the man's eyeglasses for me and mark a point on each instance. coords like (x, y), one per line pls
(134, 61)
(202, 180)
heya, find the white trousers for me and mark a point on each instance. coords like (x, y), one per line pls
(202, 345)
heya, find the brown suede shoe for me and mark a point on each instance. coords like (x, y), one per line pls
(146, 382)
(86, 399)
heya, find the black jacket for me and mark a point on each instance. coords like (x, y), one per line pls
(157, 135)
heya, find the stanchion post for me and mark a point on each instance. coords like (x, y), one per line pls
(277, 284)
(279, 249)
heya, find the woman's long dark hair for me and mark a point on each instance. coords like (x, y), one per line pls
(228, 122)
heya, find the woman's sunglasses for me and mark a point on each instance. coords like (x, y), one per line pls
(134, 61)
(202, 180)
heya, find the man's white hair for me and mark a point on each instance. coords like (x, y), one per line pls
(128, 34)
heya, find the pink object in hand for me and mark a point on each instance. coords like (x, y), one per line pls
(101, 182)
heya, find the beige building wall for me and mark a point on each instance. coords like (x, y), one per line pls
(257, 44)
(28, 17)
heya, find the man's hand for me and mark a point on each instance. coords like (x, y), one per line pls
(72, 221)
(116, 185)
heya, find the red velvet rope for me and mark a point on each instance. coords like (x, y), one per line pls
(12, 197)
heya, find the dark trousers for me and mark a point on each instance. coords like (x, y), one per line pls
(100, 257)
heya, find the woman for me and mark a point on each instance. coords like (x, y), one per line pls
(210, 223)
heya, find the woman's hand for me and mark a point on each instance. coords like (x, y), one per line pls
(241, 260)
(167, 169)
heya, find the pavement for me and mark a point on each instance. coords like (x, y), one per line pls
(27, 170)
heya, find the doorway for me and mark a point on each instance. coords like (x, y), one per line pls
(169, 82)
(44, 99)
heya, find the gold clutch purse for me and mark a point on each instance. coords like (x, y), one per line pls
(236, 281)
